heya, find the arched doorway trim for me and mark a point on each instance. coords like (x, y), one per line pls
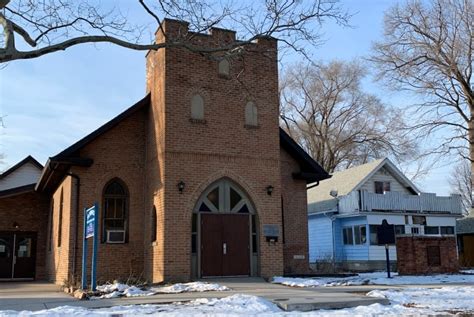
(224, 203)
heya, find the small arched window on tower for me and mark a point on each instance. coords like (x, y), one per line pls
(251, 116)
(224, 68)
(197, 108)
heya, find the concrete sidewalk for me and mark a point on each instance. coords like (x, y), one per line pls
(35, 296)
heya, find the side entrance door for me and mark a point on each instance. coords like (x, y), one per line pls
(225, 248)
(17, 255)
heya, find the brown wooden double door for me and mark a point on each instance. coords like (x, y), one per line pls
(17, 255)
(225, 245)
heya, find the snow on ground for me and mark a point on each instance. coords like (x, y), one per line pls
(405, 302)
(119, 289)
(377, 278)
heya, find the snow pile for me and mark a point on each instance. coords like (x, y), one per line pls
(445, 299)
(191, 287)
(118, 289)
(377, 278)
(235, 305)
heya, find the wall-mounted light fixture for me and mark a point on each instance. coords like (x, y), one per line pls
(269, 189)
(181, 185)
(16, 225)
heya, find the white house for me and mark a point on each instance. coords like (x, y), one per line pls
(346, 209)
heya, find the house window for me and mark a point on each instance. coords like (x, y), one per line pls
(197, 107)
(224, 68)
(373, 234)
(360, 234)
(447, 230)
(399, 229)
(419, 220)
(431, 230)
(60, 217)
(415, 230)
(382, 187)
(347, 235)
(115, 212)
(433, 255)
(153, 225)
(251, 114)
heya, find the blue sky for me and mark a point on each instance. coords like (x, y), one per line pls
(51, 102)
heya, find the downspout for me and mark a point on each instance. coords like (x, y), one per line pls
(76, 225)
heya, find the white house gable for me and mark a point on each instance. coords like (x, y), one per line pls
(24, 175)
(385, 176)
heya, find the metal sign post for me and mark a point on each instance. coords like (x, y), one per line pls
(387, 256)
(386, 236)
(91, 223)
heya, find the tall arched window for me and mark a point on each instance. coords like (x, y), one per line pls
(153, 225)
(115, 212)
(251, 118)
(60, 218)
(197, 107)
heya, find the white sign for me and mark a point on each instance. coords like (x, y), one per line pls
(298, 257)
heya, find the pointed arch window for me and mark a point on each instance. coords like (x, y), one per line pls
(197, 107)
(224, 68)
(251, 115)
(115, 212)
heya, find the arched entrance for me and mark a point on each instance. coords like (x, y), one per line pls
(224, 234)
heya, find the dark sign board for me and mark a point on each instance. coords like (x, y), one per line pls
(386, 233)
(271, 231)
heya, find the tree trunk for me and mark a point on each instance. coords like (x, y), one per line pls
(471, 156)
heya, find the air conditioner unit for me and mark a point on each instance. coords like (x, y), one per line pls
(115, 236)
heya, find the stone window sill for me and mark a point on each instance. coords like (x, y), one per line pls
(251, 127)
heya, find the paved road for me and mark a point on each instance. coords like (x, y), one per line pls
(41, 295)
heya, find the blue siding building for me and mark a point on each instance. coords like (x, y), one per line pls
(346, 210)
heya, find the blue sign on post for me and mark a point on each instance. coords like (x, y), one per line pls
(91, 224)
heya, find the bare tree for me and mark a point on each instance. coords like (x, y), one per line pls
(47, 26)
(428, 49)
(325, 109)
(460, 181)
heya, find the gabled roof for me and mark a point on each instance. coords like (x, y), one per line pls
(311, 171)
(465, 225)
(352, 179)
(26, 160)
(17, 190)
(59, 163)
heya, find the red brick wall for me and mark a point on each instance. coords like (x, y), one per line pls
(295, 211)
(412, 255)
(201, 153)
(119, 153)
(30, 211)
(59, 256)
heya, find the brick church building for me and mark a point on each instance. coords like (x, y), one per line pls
(194, 180)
